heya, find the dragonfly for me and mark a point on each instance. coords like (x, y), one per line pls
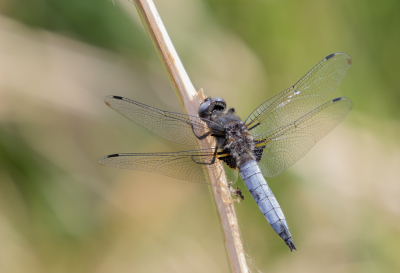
(273, 137)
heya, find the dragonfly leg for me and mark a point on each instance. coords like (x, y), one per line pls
(200, 137)
(212, 161)
(236, 192)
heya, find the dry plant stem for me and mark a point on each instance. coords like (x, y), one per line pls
(190, 100)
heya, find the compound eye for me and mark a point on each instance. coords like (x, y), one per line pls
(219, 100)
(218, 104)
(203, 109)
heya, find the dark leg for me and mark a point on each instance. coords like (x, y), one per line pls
(236, 192)
(208, 163)
(200, 137)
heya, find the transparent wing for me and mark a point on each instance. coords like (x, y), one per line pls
(287, 144)
(231, 174)
(307, 94)
(172, 126)
(181, 165)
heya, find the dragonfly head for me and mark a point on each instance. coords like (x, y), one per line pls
(211, 106)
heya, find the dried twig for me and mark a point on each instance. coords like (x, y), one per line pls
(190, 100)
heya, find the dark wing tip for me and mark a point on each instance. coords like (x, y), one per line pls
(336, 99)
(117, 97)
(101, 160)
(108, 99)
(330, 56)
(290, 244)
(113, 97)
(344, 99)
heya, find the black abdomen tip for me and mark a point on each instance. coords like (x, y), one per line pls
(290, 244)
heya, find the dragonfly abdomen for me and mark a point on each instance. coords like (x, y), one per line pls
(265, 199)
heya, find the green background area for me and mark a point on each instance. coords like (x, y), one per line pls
(62, 212)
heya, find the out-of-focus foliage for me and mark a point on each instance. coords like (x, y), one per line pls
(62, 212)
(281, 32)
(93, 22)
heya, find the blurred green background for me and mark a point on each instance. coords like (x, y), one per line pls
(62, 212)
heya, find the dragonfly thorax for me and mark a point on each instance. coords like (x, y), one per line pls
(239, 142)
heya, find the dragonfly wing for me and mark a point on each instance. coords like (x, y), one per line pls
(287, 144)
(181, 165)
(172, 126)
(307, 94)
(231, 174)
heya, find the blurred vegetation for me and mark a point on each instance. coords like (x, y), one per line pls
(91, 21)
(368, 30)
(61, 212)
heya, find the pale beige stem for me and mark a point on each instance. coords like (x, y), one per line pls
(190, 101)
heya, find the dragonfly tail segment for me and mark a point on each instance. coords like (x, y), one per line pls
(265, 199)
